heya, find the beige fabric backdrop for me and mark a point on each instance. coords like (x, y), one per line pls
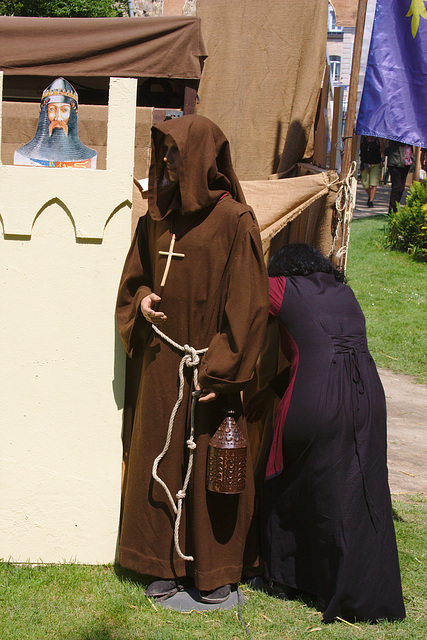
(262, 79)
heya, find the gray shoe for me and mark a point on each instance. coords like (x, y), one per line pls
(216, 596)
(162, 588)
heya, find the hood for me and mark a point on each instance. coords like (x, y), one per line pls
(205, 172)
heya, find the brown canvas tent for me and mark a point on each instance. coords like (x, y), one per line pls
(170, 47)
(166, 55)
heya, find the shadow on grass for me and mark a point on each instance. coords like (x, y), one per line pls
(104, 633)
(100, 633)
(281, 592)
(396, 516)
(127, 575)
(373, 216)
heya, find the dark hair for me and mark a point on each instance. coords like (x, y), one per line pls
(299, 259)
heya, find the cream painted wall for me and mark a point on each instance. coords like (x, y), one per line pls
(66, 234)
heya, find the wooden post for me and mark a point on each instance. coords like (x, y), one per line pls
(190, 97)
(352, 91)
(349, 137)
(337, 128)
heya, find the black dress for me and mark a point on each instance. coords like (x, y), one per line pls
(327, 523)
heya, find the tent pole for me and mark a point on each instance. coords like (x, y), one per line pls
(349, 127)
(190, 96)
(352, 91)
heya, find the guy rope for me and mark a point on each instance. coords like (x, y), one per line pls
(344, 205)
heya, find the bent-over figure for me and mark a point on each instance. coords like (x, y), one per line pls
(327, 526)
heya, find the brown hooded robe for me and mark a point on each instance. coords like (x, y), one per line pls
(216, 297)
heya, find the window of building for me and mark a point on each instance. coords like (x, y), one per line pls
(335, 62)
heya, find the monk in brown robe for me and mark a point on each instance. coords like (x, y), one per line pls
(214, 298)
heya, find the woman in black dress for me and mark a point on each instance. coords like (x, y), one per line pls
(326, 515)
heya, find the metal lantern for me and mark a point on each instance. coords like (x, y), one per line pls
(227, 455)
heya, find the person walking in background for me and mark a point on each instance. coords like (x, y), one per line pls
(400, 160)
(326, 516)
(370, 166)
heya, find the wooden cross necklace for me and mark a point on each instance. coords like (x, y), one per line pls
(171, 254)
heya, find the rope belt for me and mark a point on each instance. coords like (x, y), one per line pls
(189, 359)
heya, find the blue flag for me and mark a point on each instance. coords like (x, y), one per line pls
(394, 98)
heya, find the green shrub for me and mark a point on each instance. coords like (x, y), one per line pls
(406, 228)
(64, 8)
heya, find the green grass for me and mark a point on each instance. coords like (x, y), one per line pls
(75, 602)
(391, 288)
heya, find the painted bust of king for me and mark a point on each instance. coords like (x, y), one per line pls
(56, 143)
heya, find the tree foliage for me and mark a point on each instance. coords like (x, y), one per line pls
(63, 8)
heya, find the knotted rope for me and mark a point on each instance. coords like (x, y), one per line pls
(189, 359)
(344, 205)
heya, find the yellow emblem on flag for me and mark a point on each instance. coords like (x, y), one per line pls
(416, 10)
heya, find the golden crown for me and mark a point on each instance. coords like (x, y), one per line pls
(56, 92)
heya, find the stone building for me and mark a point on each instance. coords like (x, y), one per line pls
(152, 8)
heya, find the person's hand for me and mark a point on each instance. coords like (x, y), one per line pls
(259, 404)
(207, 395)
(155, 317)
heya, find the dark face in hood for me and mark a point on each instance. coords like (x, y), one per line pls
(205, 170)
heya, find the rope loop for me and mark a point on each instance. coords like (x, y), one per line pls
(344, 200)
(189, 359)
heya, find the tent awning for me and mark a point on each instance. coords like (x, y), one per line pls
(165, 47)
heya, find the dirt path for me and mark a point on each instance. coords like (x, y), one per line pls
(407, 433)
